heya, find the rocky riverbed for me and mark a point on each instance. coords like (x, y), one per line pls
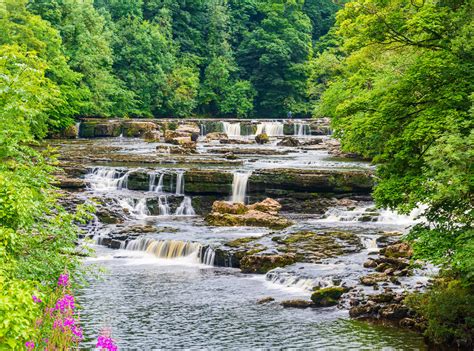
(274, 201)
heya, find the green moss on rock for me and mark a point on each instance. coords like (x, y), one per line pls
(326, 297)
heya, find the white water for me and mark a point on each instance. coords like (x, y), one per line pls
(138, 208)
(239, 186)
(179, 182)
(163, 205)
(156, 188)
(231, 129)
(301, 129)
(185, 208)
(78, 128)
(103, 178)
(380, 216)
(270, 128)
(174, 249)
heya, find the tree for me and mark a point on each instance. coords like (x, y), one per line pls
(273, 57)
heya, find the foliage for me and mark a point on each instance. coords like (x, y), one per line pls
(449, 312)
(403, 98)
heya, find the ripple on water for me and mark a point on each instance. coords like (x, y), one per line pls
(152, 306)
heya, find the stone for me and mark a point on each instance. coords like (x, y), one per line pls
(71, 183)
(215, 136)
(370, 263)
(398, 250)
(393, 312)
(268, 205)
(296, 303)
(265, 300)
(361, 310)
(137, 128)
(384, 297)
(251, 218)
(329, 296)
(152, 136)
(262, 138)
(261, 264)
(229, 207)
(289, 141)
(373, 278)
(188, 128)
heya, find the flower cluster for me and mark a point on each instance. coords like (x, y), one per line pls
(67, 302)
(106, 343)
(63, 280)
(36, 299)
(30, 345)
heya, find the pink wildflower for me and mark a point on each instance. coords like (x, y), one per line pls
(63, 280)
(106, 343)
(30, 345)
(67, 302)
(36, 299)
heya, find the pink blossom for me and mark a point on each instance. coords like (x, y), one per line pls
(106, 343)
(63, 280)
(67, 302)
(30, 345)
(36, 299)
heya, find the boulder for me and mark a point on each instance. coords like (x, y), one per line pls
(296, 303)
(229, 207)
(373, 279)
(265, 300)
(152, 136)
(262, 138)
(326, 297)
(398, 250)
(289, 141)
(137, 128)
(171, 135)
(268, 206)
(394, 312)
(215, 136)
(261, 264)
(188, 128)
(251, 218)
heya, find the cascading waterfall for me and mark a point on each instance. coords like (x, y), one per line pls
(270, 128)
(231, 129)
(280, 277)
(239, 186)
(185, 208)
(172, 249)
(138, 208)
(104, 178)
(78, 129)
(202, 129)
(156, 188)
(163, 205)
(180, 182)
(301, 129)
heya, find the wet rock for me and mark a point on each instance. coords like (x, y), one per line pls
(216, 136)
(187, 149)
(398, 250)
(261, 264)
(265, 300)
(373, 278)
(384, 297)
(188, 128)
(365, 310)
(251, 218)
(194, 137)
(235, 141)
(70, 183)
(177, 138)
(262, 138)
(152, 136)
(326, 297)
(289, 141)
(268, 205)
(96, 129)
(296, 304)
(393, 312)
(137, 128)
(229, 207)
(388, 238)
(370, 263)
(115, 244)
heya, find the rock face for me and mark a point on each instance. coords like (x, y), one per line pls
(262, 138)
(152, 136)
(289, 141)
(326, 297)
(261, 264)
(94, 129)
(263, 214)
(137, 128)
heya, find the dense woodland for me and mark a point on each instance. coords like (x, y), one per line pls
(396, 78)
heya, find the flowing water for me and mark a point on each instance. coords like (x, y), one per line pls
(162, 288)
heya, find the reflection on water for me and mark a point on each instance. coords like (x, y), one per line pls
(151, 305)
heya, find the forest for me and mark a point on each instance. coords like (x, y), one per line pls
(395, 78)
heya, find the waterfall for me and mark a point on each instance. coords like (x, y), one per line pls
(270, 128)
(78, 128)
(285, 279)
(103, 178)
(171, 249)
(301, 129)
(180, 182)
(231, 129)
(239, 186)
(185, 208)
(202, 129)
(138, 208)
(163, 205)
(151, 185)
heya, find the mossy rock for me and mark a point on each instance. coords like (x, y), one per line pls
(261, 264)
(326, 297)
(262, 138)
(241, 242)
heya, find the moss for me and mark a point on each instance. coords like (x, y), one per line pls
(327, 296)
(241, 241)
(263, 264)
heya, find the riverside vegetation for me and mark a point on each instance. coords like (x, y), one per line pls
(395, 78)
